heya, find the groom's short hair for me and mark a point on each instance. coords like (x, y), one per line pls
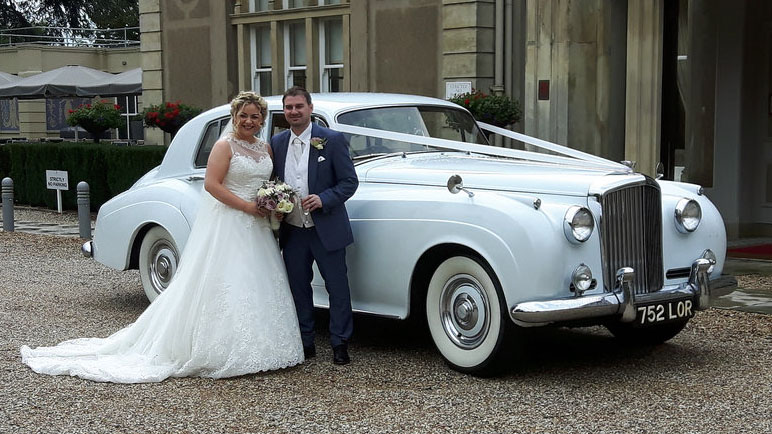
(297, 91)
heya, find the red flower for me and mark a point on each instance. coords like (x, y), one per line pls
(169, 115)
(152, 115)
(466, 101)
(117, 107)
(71, 111)
(88, 105)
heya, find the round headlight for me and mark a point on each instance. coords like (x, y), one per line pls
(578, 224)
(687, 215)
(581, 278)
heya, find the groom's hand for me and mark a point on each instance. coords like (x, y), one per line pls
(311, 202)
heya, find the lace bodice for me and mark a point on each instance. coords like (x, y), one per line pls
(250, 166)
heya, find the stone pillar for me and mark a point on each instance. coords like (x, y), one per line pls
(468, 33)
(645, 22)
(152, 62)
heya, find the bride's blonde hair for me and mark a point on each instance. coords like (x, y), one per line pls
(244, 98)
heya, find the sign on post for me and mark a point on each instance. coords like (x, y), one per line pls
(453, 88)
(57, 180)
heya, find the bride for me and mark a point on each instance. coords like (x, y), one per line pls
(228, 310)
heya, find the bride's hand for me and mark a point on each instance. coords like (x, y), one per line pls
(279, 216)
(255, 210)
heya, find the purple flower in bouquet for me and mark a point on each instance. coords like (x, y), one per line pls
(276, 196)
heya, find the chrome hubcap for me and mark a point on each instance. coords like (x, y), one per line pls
(163, 265)
(465, 311)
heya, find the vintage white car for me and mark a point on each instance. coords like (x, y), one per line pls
(536, 233)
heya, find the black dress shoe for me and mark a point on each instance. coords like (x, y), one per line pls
(309, 351)
(340, 355)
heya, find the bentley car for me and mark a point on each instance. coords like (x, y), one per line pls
(475, 229)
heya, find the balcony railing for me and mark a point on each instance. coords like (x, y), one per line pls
(70, 37)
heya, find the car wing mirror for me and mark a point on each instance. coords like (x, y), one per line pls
(456, 184)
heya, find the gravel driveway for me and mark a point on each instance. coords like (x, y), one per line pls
(716, 376)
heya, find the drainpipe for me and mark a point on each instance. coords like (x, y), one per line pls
(509, 33)
(498, 56)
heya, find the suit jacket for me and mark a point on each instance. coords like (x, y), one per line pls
(331, 175)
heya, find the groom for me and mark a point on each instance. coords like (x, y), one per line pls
(315, 161)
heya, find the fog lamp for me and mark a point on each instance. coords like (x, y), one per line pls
(581, 279)
(710, 256)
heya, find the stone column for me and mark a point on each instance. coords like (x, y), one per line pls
(468, 30)
(152, 65)
(644, 83)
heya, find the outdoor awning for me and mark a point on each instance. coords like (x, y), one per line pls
(125, 83)
(6, 78)
(59, 82)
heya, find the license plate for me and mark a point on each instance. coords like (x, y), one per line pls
(659, 313)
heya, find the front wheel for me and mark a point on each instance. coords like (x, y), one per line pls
(466, 315)
(652, 335)
(158, 259)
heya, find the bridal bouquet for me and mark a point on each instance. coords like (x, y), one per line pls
(276, 196)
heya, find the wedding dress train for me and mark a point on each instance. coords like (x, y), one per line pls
(227, 312)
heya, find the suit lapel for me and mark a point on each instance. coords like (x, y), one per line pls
(313, 163)
(280, 155)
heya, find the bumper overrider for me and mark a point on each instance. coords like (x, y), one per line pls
(87, 249)
(621, 301)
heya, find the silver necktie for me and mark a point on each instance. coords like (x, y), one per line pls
(297, 146)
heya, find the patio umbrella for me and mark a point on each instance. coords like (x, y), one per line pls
(59, 82)
(125, 83)
(6, 78)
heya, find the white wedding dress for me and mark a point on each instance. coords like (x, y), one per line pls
(227, 312)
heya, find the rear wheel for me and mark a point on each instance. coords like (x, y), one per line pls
(652, 335)
(158, 259)
(466, 315)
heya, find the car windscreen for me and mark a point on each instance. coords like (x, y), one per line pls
(440, 122)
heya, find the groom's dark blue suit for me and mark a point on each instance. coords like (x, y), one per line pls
(332, 177)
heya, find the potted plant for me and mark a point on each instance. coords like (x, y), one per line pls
(498, 110)
(169, 116)
(96, 118)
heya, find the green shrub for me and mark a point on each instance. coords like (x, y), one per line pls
(107, 169)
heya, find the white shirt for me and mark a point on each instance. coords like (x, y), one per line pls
(296, 175)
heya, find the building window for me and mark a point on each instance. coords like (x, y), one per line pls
(292, 4)
(258, 5)
(295, 52)
(331, 55)
(133, 128)
(329, 2)
(261, 60)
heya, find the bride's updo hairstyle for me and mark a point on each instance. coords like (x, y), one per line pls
(245, 98)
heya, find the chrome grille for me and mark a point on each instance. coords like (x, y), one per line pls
(631, 235)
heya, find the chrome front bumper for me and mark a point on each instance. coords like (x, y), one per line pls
(621, 301)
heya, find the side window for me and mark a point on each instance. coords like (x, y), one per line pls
(212, 133)
(279, 123)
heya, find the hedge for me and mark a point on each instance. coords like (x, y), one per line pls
(108, 169)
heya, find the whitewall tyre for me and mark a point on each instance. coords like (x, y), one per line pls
(158, 260)
(466, 315)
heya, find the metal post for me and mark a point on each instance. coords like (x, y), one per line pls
(8, 204)
(84, 210)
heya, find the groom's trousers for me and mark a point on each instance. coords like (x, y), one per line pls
(302, 247)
